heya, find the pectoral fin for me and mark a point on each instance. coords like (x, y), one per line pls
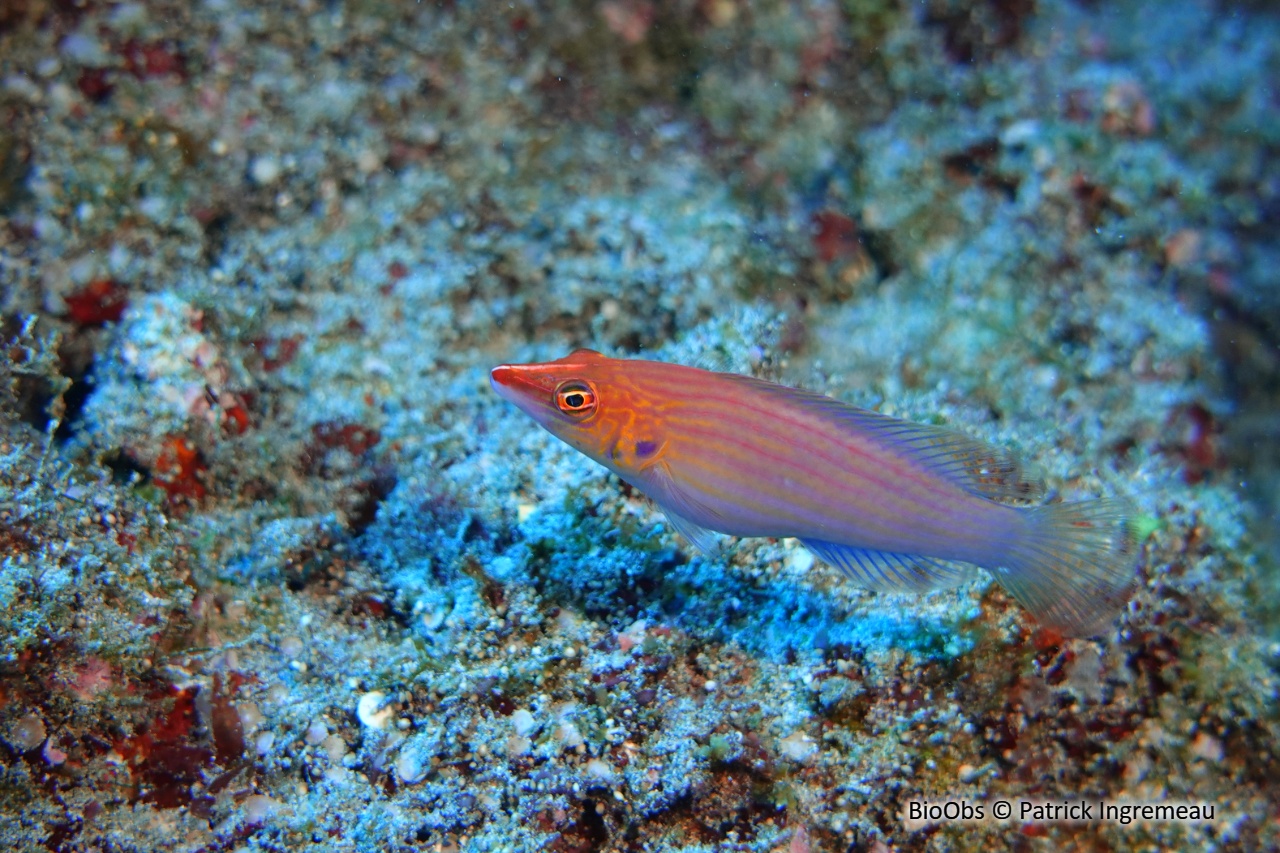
(679, 505)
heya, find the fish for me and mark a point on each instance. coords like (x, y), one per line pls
(896, 506)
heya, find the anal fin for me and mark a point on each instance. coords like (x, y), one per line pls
(885, 571)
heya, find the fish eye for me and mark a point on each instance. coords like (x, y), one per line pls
(576, 399)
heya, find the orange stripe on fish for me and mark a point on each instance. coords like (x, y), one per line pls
(893, 504)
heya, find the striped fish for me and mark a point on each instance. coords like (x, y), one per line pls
(895, 505)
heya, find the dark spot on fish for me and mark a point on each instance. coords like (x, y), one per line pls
(645, 448)
(613, 451)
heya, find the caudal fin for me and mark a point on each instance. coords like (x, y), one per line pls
(1074, 565)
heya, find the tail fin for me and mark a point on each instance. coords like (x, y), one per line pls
(1073, 567)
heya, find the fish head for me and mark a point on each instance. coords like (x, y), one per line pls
(587, 401)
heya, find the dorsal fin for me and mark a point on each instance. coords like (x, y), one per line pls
(716, 362)
(979, 468)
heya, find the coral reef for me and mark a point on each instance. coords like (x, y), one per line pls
(278, 570)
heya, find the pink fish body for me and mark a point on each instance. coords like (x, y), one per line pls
(897, 506)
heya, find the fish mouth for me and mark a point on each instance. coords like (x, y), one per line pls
(525, 385)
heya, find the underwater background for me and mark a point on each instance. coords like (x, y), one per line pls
(281, 572)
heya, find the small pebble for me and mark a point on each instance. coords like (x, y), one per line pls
(265, 170)
(250, 715)
(258, 807)
(1208, 747)
(797, 746)
(52, 755)
(373, 711)
(335, 747)
(411, 765)
(28, 733)
(523, 722)
(597, 769)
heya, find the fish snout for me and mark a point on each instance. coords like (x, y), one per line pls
(500, 376)
(522, 385)
(502, 380)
